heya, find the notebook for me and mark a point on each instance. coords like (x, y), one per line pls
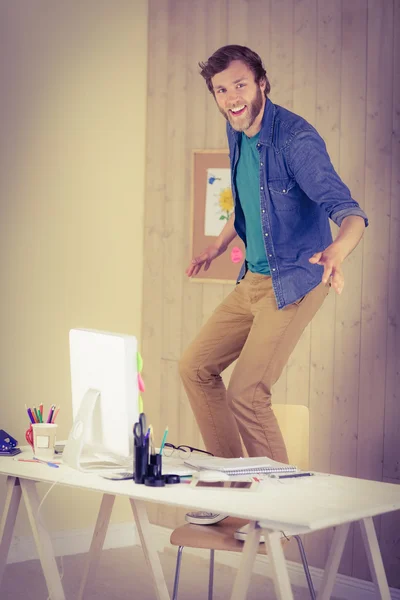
(240, 466)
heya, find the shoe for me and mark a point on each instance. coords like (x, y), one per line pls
(241, 534)
(204, 518)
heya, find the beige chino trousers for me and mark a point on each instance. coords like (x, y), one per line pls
(246, 326)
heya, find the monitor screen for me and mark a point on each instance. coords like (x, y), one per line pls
(106, 362)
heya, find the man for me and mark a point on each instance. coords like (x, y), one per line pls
(285, 190)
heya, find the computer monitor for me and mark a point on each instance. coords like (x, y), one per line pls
(105, 395)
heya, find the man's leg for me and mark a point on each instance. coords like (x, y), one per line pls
(217, 345)
(271, 340)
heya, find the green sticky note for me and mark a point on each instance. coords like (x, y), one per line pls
(139, 362)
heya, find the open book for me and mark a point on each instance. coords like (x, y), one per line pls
(240, 466)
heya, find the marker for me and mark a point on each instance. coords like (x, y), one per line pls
(30, 415)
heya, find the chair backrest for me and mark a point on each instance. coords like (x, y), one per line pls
(293, 420)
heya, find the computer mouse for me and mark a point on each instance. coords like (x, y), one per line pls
(209, 475)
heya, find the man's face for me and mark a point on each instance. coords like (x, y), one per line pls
(239, 98)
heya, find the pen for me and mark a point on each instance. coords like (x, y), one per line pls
(55, 413)
(164, 439)
(38, 461)
(41, 411)
(295, 475)
(51, 411)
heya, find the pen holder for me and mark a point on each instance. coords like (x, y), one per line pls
(141, 461)
(44, 440)
(154, 468)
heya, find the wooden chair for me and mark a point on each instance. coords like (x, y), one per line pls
(294, 423)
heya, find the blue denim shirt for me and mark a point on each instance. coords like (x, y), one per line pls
(299, 191)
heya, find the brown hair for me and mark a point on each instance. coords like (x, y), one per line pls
(222, 58)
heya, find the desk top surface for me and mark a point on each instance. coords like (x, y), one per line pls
(301, 504)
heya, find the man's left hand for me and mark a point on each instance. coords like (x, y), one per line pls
(331, 259)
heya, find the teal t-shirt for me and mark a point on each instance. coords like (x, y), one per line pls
(248, 187)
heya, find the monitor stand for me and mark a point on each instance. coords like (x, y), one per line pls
(76, 453)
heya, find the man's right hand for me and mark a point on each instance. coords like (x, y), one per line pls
(204, 260)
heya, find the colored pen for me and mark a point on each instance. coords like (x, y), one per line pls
(49, 416)
(140, 404)
(164, 439)
(54, 417)
(41, 411)
(37, 460)
(34, 414)
(292, 475)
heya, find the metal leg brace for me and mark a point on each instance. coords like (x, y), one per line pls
(177, 573)
(211, 576)
(305, 566)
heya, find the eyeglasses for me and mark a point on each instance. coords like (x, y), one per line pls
(182, 451)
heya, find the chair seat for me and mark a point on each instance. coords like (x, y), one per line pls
(212, 537)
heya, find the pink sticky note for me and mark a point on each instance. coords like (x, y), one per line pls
(140, 383)
(236, 254)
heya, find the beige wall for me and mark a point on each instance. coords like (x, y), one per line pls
(73, 79)
(337, 64)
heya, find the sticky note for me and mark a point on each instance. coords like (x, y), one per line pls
(236, 254)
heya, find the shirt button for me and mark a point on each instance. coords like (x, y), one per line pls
(274, 269)
(261, 164)
(258, 145)
(261, 188)
(266, 235)
(263, 210)
(284, 191)
(270, 255)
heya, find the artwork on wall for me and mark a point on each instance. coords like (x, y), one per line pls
(212, 206)
(219, 201)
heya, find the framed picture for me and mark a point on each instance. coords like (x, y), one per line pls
(212, 206)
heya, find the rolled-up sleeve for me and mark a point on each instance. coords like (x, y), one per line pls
(312, 168)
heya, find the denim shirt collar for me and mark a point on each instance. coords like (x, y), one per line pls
(267, 125)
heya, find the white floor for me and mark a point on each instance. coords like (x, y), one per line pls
(121, 576)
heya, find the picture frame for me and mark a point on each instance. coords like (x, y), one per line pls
(211, 207)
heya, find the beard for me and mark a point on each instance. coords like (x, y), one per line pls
(243, 123)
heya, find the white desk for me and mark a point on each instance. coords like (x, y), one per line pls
(294, 505)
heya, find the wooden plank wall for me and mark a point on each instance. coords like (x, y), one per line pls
(337, 64)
